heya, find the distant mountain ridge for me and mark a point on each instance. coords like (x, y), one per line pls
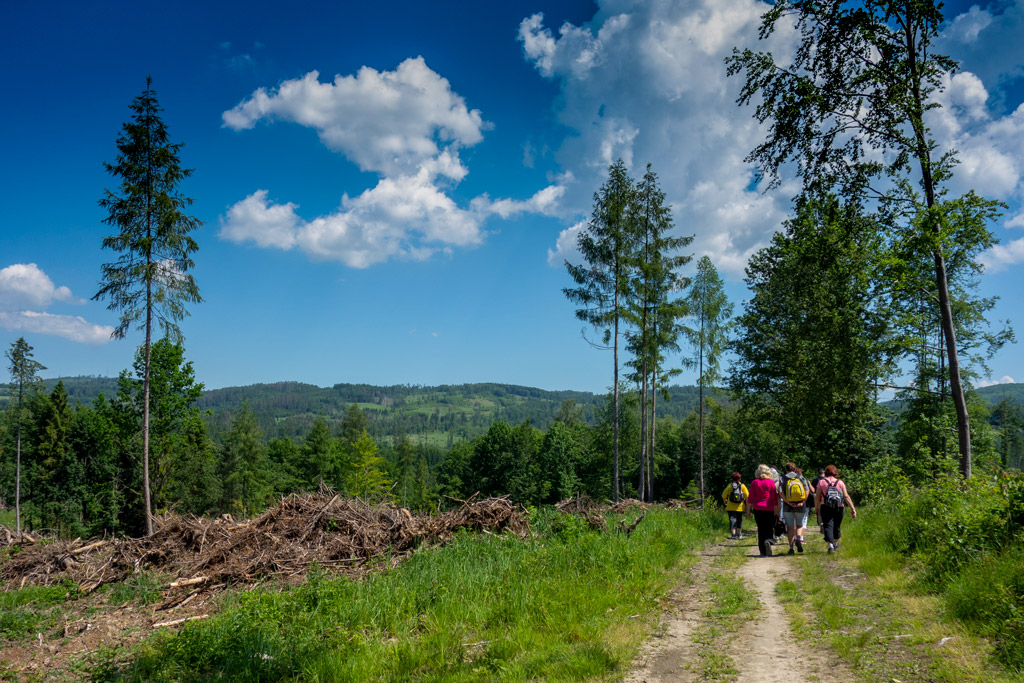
(438, 415)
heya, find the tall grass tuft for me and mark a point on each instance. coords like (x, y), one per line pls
(560, 606)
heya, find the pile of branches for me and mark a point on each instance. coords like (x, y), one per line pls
(594, 513)
(286, 540)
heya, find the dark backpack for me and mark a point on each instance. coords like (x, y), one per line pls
(736, 496)
(833, 496)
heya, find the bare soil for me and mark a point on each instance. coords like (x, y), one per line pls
(764, 650)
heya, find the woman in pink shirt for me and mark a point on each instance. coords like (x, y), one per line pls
(762, 503)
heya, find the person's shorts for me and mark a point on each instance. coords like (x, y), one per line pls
(796, 517)
(735, 520)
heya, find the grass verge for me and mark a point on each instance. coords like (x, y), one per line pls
(568, 604)
(867, 605)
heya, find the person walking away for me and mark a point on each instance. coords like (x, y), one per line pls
(808, 506)
(830, 502)
(735, 496)
(780, 524)
(763, 501)
(795, 493)
(814, 492)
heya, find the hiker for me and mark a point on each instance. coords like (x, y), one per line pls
(795, 495)
(814, 491)
(779, 530)
(763, 501)
(735, 496)
(829, 503)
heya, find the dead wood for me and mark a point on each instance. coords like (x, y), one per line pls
(621, 526)
(202, 555)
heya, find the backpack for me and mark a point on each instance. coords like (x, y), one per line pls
(794, 490)
(833, 496)
(736, 496)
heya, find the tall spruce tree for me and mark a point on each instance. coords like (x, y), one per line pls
(849, 108)
(25, 374)
(608, 246)
(654, 309)
(711, 308)
(150, 281)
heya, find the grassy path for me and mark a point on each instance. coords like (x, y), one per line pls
(847, 618)
(728, 622)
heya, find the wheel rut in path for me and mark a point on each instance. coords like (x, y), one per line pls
(764, 650)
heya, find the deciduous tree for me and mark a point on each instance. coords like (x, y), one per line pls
(849, 108)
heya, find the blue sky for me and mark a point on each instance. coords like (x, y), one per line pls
(388, 190)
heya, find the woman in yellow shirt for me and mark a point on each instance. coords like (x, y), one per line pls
(735, 497)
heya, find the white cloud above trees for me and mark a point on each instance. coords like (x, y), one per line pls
(25, 287)
(646, 81)
(407, 126)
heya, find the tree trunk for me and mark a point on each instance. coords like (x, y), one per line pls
(642, 490)
(615, 405)
(17, 468)
(700, 410)
(149, 339)
(963, 423)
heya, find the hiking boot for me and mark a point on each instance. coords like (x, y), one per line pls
(740, 537)
(831, 548)
(791, 551)
(799, 545)
(837, 544)
(768, 549)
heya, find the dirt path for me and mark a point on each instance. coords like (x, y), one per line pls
(762, 650)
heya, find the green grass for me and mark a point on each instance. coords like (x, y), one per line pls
(729, 602)
(868, 605)
(567, 604)
(141, 589)
(27, 611)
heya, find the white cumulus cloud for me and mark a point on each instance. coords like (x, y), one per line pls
(72, 327)
(23, 287)
(388, 122)
(645, 81)
(1002, 256)
(1005, 379)
(565, 246)
(405, 125)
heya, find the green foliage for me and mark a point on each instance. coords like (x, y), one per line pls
(814, 336)
(140, 589)
(245, 468)
(967, 537)
(989, 594)
(367, 479)
(551, 606)
(150, 278)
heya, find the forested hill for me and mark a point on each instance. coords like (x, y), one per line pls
(439, 415)
(442, 414)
